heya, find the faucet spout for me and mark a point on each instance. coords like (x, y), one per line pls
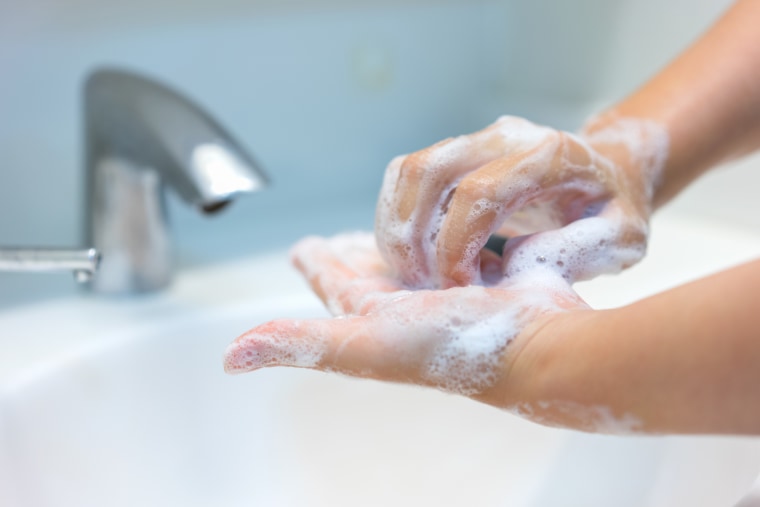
(141, 137)
(82, 263)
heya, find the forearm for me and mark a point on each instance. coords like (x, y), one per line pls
(683, 361)
(707, 100)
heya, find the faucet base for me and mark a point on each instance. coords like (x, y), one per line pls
(129, 228)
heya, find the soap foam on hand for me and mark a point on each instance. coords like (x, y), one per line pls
(437, 208)
(462, 339)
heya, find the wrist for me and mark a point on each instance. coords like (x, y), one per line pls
(638, 147)
(531, 363)
(555, 380)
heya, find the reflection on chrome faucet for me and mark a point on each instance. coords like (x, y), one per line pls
(83, 263)
(140, 137)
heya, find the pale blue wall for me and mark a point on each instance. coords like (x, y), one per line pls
(322, 98)
(323, 92)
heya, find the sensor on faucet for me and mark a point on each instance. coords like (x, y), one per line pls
(140, 137)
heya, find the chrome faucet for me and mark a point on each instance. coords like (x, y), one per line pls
(83, 263)
(140, 137)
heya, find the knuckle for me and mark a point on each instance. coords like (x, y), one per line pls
(432, 160)
(415, 166)
(510, 121)
(396, 162)
(576, 152)
(475, 186)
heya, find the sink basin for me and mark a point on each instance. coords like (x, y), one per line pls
(124, 403)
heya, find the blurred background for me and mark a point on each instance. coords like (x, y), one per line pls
(323, 93)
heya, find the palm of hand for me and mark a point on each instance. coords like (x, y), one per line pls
(461, 340)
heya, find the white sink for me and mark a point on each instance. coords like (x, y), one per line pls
(124, 403)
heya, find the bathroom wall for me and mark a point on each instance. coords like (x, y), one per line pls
(568, 59)
(323, 95)
(322, 92)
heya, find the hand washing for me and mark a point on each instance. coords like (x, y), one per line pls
(422, 302)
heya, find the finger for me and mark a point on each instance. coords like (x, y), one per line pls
(560, 172)
(355, 251)
(346, 271)
(301, 344)
(424, 175)
(413, 191)
(355, 346)
(414, 200)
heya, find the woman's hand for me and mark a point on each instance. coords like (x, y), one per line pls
(578, 204)
(463, 340)
(529, 344)
(525, 340)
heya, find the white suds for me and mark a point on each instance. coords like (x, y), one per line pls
(647, 142)
(273, 345)
(583, 214)
(467, 361)
(579, 251)
(591, 418)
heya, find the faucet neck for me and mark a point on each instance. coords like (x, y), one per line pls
(141, 137)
